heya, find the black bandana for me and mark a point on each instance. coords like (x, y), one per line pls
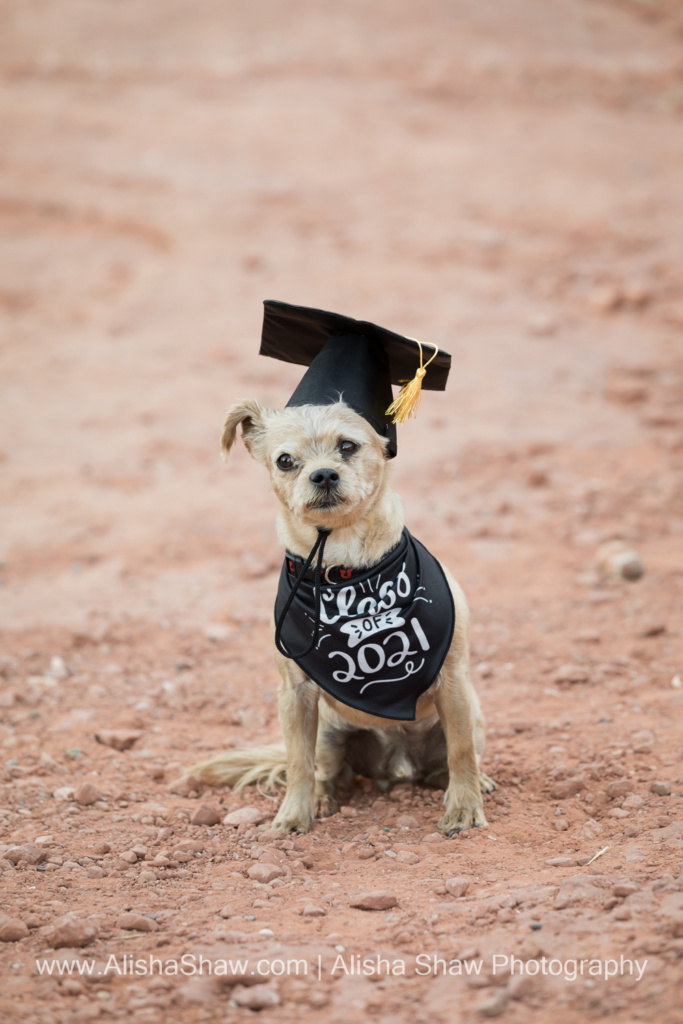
(383, 635)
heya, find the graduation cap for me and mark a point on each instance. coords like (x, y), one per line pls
(354, 361)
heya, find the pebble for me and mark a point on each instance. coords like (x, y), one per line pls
(206, 814)
(494, 1006)
(64, 793)
(661, 788)
(617, 559)
(407, 857)
(255, 997)
(12, 929)
(30, 853)
(407, 821)
(69, 930)
(265, 872)
(118, 739)
(348, 812)
(457, 886)
(624, 889)
(620, 787)
(129, 856)
(651, 628)
(561, 825)
(571, 673)
(216, 631)
(568, 787)
(310, 910)
(87, 794)
(58, 669)
(132, 922)
(381, 899)
(245, 816)
(561, 862)
(184, 785)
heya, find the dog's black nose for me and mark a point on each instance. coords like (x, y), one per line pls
(327, 478)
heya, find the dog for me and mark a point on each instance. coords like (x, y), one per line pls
(328, 468)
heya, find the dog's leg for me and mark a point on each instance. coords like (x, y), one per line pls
(453, 699)
(329, 759)
(298, 706)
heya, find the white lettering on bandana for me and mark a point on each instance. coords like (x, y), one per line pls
(383, 636)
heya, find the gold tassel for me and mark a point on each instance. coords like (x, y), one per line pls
(407, 402)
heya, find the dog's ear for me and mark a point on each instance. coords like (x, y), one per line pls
(252, 416)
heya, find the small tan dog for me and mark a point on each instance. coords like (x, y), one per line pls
(327, 741)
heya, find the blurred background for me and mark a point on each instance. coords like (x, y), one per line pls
(501, 179)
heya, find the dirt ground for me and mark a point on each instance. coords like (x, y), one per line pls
(503, 179)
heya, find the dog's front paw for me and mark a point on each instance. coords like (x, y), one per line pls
(487, 783)
(325, 806)
(292, 823)
(460, 818)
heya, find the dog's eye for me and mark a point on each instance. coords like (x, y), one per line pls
(348, 447)
(285, 462)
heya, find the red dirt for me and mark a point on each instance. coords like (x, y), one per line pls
(503, 179)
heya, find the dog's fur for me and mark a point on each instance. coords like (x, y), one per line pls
(327, 742)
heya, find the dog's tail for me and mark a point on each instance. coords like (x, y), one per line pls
(264, 766)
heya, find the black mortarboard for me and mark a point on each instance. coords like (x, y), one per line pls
(353, 360)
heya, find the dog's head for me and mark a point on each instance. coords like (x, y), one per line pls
(326, 462)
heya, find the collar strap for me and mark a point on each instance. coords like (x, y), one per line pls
(332, 574)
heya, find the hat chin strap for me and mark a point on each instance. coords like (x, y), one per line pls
(319, 546)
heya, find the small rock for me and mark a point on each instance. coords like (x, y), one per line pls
(651, 628)
(379, 900)
(255, 997)
(216, 631)
(206, 814)
(561, 824)
(118, 739)
(620, 787)
(184, 785)
(129, 856)
(265, 872)
(624, 889)
(661, 788)
(407, 857)
(86, 794)
(571, 673)
(57, 669)
(348, 812)
(68, 931)
(457, 886)
(568, 787)
(245, 816)
(494, 1006)
(12, 929)
(520, 986)
(132, 922)
(542, 324)
(407, 821)
(605, 298)
(64, 793)
(310, 910)
(29, 853)
(617, 559)
(561, 862)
